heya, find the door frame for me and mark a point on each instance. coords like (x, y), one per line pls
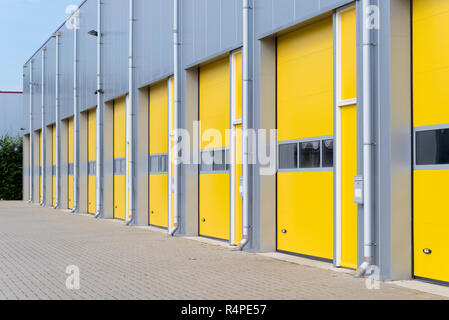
(234, 123)
(338, 154)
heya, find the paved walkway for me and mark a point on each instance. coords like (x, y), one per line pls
(118, 262)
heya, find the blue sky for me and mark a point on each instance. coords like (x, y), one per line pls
(24, 26)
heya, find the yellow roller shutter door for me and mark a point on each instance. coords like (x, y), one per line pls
(53, 156)
(158, 147)
(70, 161)
(119, 158)
(431, 124)
(305, 113)
(214, 182)
(91, 158)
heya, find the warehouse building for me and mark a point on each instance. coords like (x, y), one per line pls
(163, 113)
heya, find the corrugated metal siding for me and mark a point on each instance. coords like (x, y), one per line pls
(11, 108)
(153, 40)
(26, 98)
(66, 72)
(50, 84)
(87, 56)
(37, 90)
(274, 15)
(115, 50)
(210, 27)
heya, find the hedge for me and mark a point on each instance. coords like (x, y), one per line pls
(11, 166)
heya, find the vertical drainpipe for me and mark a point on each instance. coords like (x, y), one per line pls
(99, 121)
(43, 132)
(31, 135)
(76, 119)
(58, 128)
(130, 119)
(247, 79)
(368, 144)
(176, 46)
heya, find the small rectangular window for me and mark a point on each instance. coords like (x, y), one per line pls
(328, 153)
(154, 164)
(116, 168)
(310, 154)
(219, 160)
(288, 156)
(432, 147)
(71, 169)
(163, 164)
(92, 168)
(120, 166)
(207, 160)
(123, 166)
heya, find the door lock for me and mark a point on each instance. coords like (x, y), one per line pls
(284, 231)
(427, 251)
(203, 220)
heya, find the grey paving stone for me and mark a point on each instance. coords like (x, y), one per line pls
(118, 262)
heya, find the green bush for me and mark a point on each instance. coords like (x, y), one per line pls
(11, 165)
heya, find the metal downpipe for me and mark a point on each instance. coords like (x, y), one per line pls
(43, 132)
(76, 120)
(246, 88)
(131, 116)
(58, 128)
(31, 135)
(176, 46)
(99, 122)
(368, 144)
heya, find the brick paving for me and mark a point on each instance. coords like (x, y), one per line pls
(118, 262)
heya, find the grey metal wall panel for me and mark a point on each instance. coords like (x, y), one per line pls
(50, 84)
(154, 40)
(26, 98)
(115, 49)
(87, 56)
(37, 91)
(209, 28)
(274, 15)
(11, 120)
(66, 72)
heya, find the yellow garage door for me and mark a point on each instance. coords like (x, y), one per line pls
(431, 124)
(348, 136)
(39, 133)
(214, 182)
(70, 162)
(53, 162)
(119, 158)
(305, 128)
(158, 155)
(172, 159)
(92, 156)
(237, 167)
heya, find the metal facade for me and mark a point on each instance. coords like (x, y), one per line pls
(210, 29)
